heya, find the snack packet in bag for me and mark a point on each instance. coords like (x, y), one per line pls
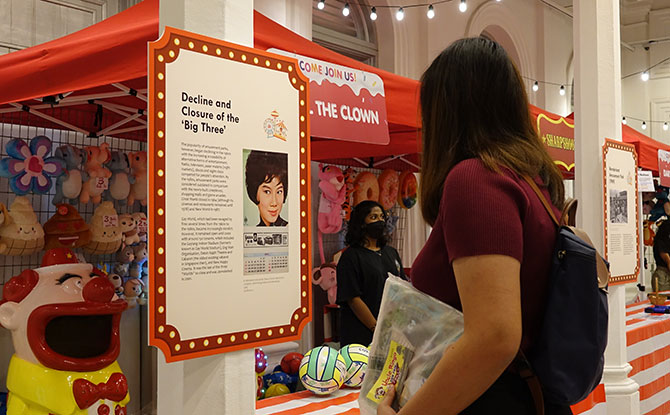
(413, 330)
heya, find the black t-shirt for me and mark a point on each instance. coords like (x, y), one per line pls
(660, 248)
(362, 272)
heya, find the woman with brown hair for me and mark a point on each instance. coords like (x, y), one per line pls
(489, 253)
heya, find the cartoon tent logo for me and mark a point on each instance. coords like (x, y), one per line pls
(275, 127)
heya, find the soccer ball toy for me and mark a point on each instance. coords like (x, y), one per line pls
(322, 370)
(291, 363)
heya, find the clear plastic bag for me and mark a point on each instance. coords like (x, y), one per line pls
(413, 330)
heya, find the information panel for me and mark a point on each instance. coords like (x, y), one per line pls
(229, 207)
(621, 211)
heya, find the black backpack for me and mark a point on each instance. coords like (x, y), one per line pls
(568, 355)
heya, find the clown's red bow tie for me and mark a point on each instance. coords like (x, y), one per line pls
(87, 393)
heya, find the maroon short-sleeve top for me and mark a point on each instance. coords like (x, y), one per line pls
(483, 212)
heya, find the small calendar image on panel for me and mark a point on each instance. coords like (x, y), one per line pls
(278, 263)
(255, 264)
(266, 263)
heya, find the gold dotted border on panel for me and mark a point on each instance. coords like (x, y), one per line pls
(624, 147)
(170, 334)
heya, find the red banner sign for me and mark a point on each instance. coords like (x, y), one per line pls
(558, 136)
(664, 167)
(346, 104)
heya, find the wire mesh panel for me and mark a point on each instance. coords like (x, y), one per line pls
(397, 220)
(42, 204)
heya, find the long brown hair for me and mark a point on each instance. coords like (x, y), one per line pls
(474, 105)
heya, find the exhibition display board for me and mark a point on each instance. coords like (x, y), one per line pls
(212, 145)
(620, 200)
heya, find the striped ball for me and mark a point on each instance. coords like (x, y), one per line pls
(355, 357)
(322, 370)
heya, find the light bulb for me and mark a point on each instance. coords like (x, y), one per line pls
(536, 86)
(562, 90)
(645, 76)
(623, 121)
(463, 6)
(665, 126)
(431, 12)
(373, 14)
(321, 4)
(400, 14)
(644, 125)
(345, 11)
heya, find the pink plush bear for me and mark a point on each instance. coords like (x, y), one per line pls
(98, 175)
(138, 166)
(331, 183)
(326, 277)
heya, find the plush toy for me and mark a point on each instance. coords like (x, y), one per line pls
(326, 277)
(138, 165)
(59, 368)
(4, 218)
(132, 290)
(141, 255)
(29, 167)
(21, 233)
(348, 205)
(66, 229)
(331, 183)
(105, 230)
(98, 174)
(648, 233)
(68, 186)
(124, 257)
(141, 221)
(119, 185)
(129, 229)
(117, 282)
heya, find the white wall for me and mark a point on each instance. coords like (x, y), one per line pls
(538, 38)
(647, 100)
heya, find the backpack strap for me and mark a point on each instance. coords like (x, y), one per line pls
(521, 366)
(544, 201)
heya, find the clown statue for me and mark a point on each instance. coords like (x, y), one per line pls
(64, 318)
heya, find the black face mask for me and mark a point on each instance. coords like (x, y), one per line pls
(375, 230)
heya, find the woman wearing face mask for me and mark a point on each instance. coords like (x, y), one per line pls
(362, 271)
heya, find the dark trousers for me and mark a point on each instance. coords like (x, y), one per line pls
(510, 395)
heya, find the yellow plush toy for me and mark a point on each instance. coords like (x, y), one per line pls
(106, 233)
(20, 233)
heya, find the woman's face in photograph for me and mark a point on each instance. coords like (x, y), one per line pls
(270, 198)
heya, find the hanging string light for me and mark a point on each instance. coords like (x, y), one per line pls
(645, 76)
(623, 121)
(400, 13)
(321, 4)
(431, 12)
(665, 126)
(562, 90)
(536, 86)
(644, 125)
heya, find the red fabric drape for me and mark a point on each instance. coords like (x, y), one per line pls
(111, 51)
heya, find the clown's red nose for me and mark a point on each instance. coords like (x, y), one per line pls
(99, 290)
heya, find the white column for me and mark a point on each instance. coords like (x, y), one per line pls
(598, 116)
(293, 14)
(222, 384)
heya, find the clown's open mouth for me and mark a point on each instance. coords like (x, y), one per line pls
(79, 336)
